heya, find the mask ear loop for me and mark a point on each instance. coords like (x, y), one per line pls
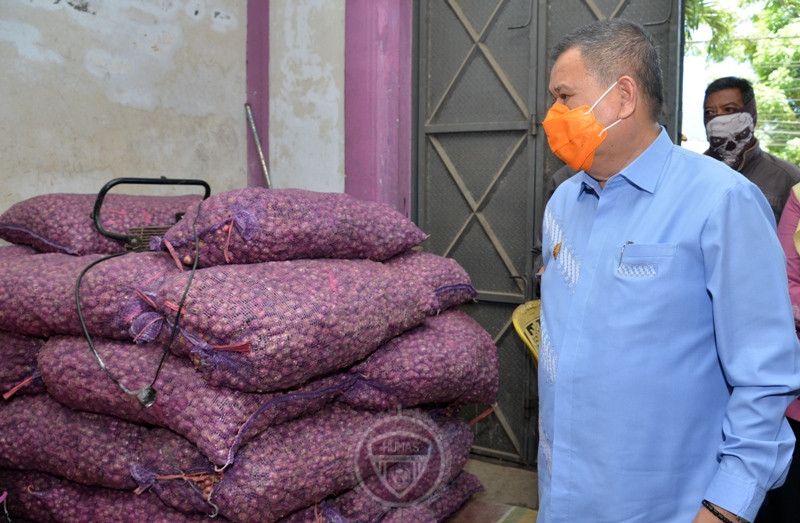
(597, 102)
(601, 97)
(609, 127)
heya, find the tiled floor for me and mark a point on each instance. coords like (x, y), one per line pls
(510, 495)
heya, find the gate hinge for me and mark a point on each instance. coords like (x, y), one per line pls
(532, 126)
(530, 407)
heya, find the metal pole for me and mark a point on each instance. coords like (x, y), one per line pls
(258, 144)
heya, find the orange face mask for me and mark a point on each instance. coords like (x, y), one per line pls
(575, 134)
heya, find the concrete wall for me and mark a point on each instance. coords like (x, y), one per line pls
(94, 90)
(306, 91)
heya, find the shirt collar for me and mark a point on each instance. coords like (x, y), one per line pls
(642, 173)
(645, 170)
(750, 155)
(590, 186)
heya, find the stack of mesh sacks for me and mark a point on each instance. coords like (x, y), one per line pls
(308, 361)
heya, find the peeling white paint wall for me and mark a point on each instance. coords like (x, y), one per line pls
(306, 90)
(94, 90)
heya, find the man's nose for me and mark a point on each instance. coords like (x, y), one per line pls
(730, 146)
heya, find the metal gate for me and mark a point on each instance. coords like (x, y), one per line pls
(483, 162)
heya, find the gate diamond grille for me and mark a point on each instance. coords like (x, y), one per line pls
(476, 142)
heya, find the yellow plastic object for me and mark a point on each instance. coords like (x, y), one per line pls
(526, 322)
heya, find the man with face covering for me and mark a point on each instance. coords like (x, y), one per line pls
(668, 354)
(730, 117)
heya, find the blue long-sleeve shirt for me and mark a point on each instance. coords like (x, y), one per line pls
(668, 352)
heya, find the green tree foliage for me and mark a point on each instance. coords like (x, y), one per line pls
(771, 46)
(775, 56)
(699, 13)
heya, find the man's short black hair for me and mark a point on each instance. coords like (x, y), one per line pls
(615, 47)
(732, 82)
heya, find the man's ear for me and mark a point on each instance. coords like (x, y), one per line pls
(629, 96)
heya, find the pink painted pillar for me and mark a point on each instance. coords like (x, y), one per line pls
(257, 88)
(377, 104)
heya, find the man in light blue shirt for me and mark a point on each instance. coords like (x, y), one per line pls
(668, 352)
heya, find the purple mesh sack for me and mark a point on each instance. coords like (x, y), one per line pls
(63, 223)
(448, 280)
(19, 373)
(273, 325)
(38, 433)
(441, 505)
(19, 502)
(255, 225)
(417, 513)
(14, 251)
(450, 358)
(397, 485)
(299, 463)
(38, 292)
(216, 419)
(446, 502)
(45, 498)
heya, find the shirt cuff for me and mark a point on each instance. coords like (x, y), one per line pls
(734, 494)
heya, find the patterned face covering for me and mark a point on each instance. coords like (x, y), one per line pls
(730, 135)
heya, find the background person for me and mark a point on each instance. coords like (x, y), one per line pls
(782, 505)
(730, 116)
(668, 353)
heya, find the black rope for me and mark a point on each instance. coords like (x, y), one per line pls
(146, 395)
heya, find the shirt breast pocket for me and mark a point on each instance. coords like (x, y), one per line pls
(641, 261)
